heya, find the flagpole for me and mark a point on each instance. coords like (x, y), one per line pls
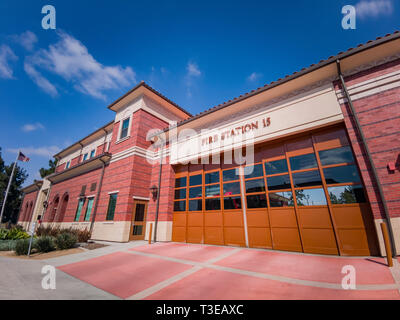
(8, 188)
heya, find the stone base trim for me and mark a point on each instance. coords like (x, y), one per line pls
(164, 230)
(396, 234)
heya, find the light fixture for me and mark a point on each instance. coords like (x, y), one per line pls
(154, 191)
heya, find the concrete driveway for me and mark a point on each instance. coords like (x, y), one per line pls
(175, 271)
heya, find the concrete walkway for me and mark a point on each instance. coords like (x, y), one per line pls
(175, 271)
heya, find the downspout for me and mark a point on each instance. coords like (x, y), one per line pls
(159, 191)
(97, 197)
(374, 171)
(99, 188)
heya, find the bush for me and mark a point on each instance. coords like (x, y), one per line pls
(81, 235)
(65, 240)
(22, 247)
(16, 234)
(7, 245)
(45, 244)
(48, 231)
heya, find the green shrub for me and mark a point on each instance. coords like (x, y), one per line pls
(7, 245)
(3, 234)
(22, 247)
(48, 231)
(15, 234)
(45, 244)
(65, 240)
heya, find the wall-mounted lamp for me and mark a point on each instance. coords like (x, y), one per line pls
(154, 191)
(45, 204)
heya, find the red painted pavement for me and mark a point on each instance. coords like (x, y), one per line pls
(123, 274)
(193, 252)
(313, 268)
(220, 285)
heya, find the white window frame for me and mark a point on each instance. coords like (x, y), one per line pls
(94, 153)
(85, 155)
(67, 165)
(120, 129)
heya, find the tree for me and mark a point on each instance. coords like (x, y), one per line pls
(14, 198)
(52, 168)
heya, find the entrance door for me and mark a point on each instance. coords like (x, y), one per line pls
(138, 225)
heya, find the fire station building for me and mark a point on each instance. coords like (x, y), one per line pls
(309, 163)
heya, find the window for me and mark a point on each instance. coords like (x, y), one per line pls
(92, 153)
(253, 171)
(278, 182)
(275, 167)
(256, 201)
(310, 197)
(281, 199)
(68, 164)
(196, 193)
(196, 205)
(111, 206)
(232, 203)
(93, 186)
(81, 202)
(306, 161)
(212, 191)
(346, 194)
(230, 175)
(343, 174)
(253, 186)
(306, 179)
(195, 180)
(89, 209)
(180, 194)
(124, 129)
(180, 206)
(336, 156)
(85, 156)
(212, 177)
(213, 204)
(231, 188)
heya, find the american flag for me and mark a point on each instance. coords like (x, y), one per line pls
(22, 157)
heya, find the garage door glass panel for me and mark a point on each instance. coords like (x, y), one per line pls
(232, 203)
(180, 182)
(195, 205)
(180, 194)
(180, 206)
(275, 167)
(310, 197)
(281, 199)
(195, 180)
(231, 188)
(213, 204)
(212, 191)
(253, 186)
(346, 194)
(306, 179)
(253, 171)
(336, 156)
(230, 175)
(306, 161)
(212, 177)
(256, 201)
(342, 174)
(278, 182)
(195, 192)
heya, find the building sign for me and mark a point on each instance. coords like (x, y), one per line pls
(245, 128)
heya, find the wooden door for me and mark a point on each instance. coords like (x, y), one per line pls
(138, 225)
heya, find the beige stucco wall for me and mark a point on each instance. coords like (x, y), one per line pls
(164, 230)
(396, 232)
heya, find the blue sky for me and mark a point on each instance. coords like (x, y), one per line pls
(55, 84)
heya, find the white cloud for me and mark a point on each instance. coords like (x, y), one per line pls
(26, 39)
(70, 59)
(32, 127)
(373, 8)
(254, 77)
(6, 55)
(193, 69)
(46, 151)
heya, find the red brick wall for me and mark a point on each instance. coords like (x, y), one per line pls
(379, 116)
(27, 206)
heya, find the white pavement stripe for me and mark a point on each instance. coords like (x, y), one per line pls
(224, 255)
(309, 283)
(161, 285)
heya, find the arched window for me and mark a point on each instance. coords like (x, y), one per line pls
(64, 204)
(25, 212)
(54, 208)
